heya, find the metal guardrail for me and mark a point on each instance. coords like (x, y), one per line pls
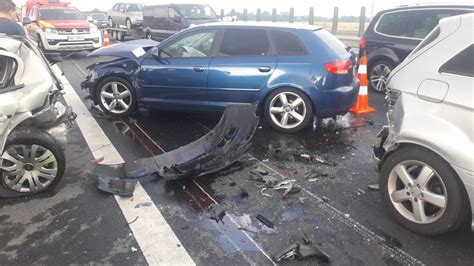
(290, 17)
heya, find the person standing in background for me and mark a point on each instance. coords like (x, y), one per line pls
(9, 18)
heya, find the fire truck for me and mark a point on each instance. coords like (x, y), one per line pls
(59, 27)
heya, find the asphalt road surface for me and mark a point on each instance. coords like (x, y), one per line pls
(212, 220)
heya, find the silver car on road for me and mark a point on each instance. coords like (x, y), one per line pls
(126, 14)
(426, 153)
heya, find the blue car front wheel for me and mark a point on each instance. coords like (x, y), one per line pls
(116, 97)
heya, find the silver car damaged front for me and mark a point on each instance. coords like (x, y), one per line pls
(432, 109)
(33, 99)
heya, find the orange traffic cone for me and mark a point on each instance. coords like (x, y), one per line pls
(106, 38)
(362, 105)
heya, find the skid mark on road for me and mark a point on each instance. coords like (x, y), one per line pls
(155, 237)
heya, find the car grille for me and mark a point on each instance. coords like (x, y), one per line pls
(70, 31)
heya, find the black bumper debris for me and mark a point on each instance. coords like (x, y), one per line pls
(221, 147)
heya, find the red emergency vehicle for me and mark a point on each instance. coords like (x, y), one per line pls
(57, 26)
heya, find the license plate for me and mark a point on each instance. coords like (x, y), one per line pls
(75, 38)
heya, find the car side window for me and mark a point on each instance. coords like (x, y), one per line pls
(148, 12)
(197, 44)
(172, 13)
(32, 14)
(288, 43)
(8, 68)
(393, 24)
(461, 64)
(133, 8)
(160, 12)
(244, 42)
(424, 21)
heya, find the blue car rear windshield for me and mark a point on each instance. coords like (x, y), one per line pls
(331, 41)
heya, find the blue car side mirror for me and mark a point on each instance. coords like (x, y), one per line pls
(156, 53)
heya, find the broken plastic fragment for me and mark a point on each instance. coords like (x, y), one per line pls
(265, 221)
(288, 186)
(117, 186)
(302, 250)
(373, 186)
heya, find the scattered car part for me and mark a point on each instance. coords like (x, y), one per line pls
(373, 186)
(269, 180)
(288, 186)
(117, 186)
(31, 159)
(427, 174)
(221, 147)
(217, 213)
(302, 249)
(265, 194)
(265, 221)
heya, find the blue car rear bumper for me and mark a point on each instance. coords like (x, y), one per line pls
(330, 103)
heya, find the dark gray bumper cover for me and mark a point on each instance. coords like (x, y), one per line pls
(221, 147)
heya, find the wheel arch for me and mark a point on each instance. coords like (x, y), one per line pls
(383, 54)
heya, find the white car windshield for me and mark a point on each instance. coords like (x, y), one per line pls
(197, 12)
(60, 14)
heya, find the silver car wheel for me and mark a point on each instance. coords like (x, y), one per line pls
(287, 110)
(128, 24)
(417, 192)
(378, 77)
(28, 168)
(111, 23)
(116, 97)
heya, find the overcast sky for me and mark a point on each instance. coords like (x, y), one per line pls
(322, 7)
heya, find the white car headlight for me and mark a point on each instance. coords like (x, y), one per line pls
(94, 29)
(52, 31)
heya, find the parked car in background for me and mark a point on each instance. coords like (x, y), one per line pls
(394, 33)
(126, 14)
(294, 72)
(99, 19)
(57, 26)
(426, 154)
(162, 21)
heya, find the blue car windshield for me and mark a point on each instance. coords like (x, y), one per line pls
(197, 12)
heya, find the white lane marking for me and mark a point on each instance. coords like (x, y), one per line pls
(156, 239)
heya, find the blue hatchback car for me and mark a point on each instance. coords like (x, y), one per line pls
(295, 72)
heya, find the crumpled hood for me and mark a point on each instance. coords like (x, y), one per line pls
(65, 24)
(131, 50)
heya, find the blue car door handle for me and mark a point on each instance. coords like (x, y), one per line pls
(264, 69)
(199, 68)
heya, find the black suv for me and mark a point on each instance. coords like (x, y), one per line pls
(394, 33)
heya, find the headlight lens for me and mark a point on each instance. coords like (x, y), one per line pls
(94, 29)
(52, 31)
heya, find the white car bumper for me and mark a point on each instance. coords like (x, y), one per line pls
(77, 42)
